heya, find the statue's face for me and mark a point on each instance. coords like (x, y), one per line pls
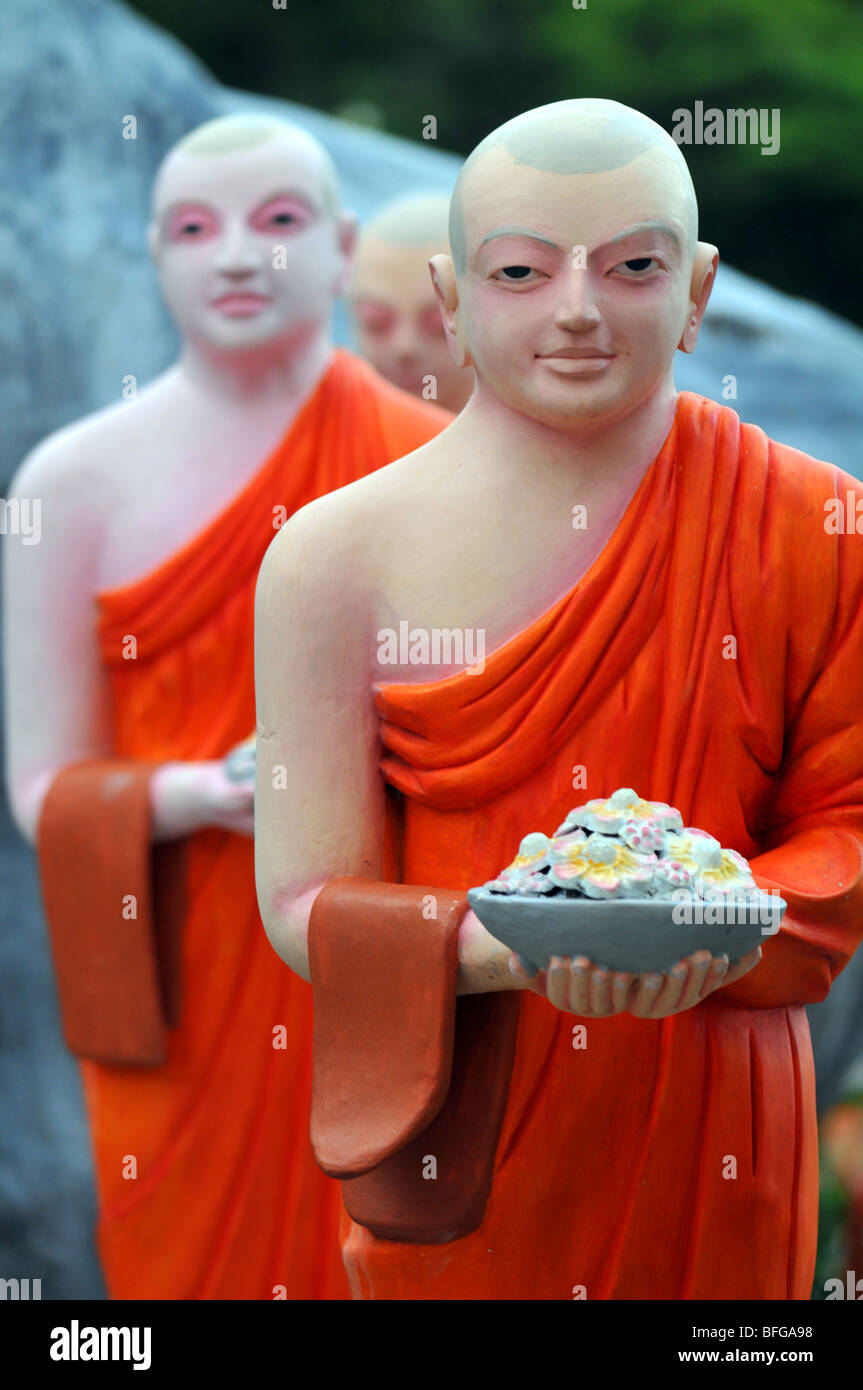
(398, 321)
(576, 288)
(246, 249)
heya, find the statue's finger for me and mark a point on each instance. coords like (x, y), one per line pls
(668, 999)
(715, 976)
(579, 985)
(557, 989)
(644, 994)
(600, 991)
(621, 990)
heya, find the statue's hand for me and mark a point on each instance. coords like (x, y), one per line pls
(578, 986)
(228, 803)
(239, 762)
(191, 796)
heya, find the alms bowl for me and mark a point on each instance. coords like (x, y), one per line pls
(634, 934)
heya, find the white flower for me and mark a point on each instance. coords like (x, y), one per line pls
(600, 866)
(608, 816)
(712, 869)
(531, 856)
(624, 847)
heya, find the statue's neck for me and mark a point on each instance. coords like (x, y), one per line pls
(593, 459)
(283, 372)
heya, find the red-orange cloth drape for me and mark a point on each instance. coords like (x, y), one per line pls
(227, 1201)
(711, 657)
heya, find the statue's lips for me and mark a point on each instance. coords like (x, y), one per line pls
(577, 364)
(240, 305)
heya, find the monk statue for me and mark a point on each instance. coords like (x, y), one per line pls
(664, 609)
(130, 668)
(398, 320)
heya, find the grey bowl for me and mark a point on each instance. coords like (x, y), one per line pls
(634, 934)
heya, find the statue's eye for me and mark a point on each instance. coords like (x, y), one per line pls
(288, 213)
(519, 275)
(637, 267)
(192, 223)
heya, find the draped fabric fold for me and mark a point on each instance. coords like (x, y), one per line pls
(118, 991)
(408, 1096)
(206, 1181)
(711, 657)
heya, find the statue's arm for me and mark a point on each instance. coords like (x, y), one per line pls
(56, 708)
(319, 797)
(814, 843)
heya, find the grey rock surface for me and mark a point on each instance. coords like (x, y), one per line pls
(81, 312)
(81, 307)
(798, 368)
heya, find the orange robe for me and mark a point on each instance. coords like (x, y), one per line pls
(677, 1158)
(227, 1202)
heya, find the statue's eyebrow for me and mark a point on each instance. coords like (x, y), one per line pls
(662, 227)
(519, 231)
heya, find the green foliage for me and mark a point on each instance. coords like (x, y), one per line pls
(792, 219)
(834, 1205)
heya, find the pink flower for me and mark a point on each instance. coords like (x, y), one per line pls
(646, 836)
(671, 875)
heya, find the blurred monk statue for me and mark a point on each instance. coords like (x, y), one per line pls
(398, 318)
(130, 670)
(577, 1134)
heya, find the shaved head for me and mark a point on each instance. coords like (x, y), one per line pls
(247, 234)
(587, 136)
(398, 322)
(420, 219)
(231, 135)
(575, 271)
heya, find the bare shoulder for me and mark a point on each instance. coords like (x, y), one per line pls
(79, 461)
(354, 536)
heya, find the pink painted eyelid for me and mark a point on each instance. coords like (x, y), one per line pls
(192, 214)
(375, 318)
(279, 206)
(208, 223)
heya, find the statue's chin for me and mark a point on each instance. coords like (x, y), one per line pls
(570, 414)
(593, 404)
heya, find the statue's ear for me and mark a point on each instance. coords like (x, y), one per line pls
(703, 276)
(347, 233)
(445, 288)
